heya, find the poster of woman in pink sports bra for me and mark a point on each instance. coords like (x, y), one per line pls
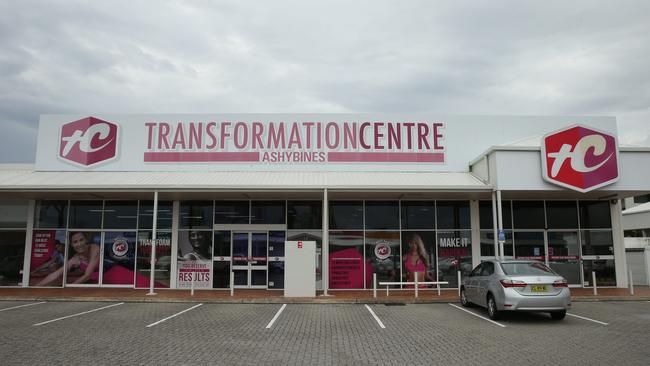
(417, 257)
(82, 264)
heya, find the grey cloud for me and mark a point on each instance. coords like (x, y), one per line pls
(497, 57)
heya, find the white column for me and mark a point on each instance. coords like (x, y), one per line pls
(28, 242)
(176, 208)
(475, 220)
(325, 257)
(619, 246)
(495, 225)
(500, 215)
(154, 227)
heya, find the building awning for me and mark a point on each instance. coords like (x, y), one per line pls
(24, 178)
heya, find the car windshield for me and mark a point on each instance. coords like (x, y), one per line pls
(526, 268)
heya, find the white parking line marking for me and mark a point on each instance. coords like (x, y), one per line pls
(277, 315)
(82, 313)
(591, 320)
(23, 306)
(476, 315)
(376, 317)
(175, 315)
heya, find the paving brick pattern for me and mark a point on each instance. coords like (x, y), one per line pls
(319, 334)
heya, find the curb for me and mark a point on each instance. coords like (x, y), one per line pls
(315, 301)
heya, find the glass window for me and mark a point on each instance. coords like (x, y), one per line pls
(196, 215)
(528, 214)
(382, 215)
(86, 214)
(563, 244)
(488, 269)
(383, 255)
(454, 254)
(605, 272)
(231, 212)
(221, 244)
(47, 258)
(52, 214)
(526, 268)
(165, 213)
(419, 255)
(12, 255)
(597, 242)
(487, 243)
(562, 214)
(305, 214)
(595, 215)
(13, 214)
(120, 214)
(418, 215)
(530, 245)
(83, 257)
(346, 215)
(221, 274)
(268, 212)
(453, 214)
(346, 264)
(485, 214)
(163, 259)
(119, 259)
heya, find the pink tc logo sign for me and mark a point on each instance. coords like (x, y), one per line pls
(88, 141)
(580, 158)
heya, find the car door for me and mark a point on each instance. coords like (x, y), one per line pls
(483, 282)
(470, 287)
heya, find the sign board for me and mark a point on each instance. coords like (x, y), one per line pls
(300, 269)
(276, 142)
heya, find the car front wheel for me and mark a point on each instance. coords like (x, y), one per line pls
(558, 315)
(493, 312)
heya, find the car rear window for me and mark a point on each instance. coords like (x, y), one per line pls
(526, 268)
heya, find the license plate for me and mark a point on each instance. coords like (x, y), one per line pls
(538, 288)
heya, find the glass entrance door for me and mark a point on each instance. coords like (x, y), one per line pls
(564, 255)
(249, 255)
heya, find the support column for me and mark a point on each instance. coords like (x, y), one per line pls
(475, 224)
(176, 208)
(620, 260)
(495, 225)
(500, 215)
(154, 227)
(28, 242)
(325, 251)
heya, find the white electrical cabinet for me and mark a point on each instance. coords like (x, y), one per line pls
(300, 269)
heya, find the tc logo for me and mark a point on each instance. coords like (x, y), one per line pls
(88, 141)
(580, 158)
(382, 250)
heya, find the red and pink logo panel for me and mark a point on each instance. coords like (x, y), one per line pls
(88, 141)
(580, 158)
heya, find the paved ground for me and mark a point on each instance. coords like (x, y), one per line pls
(348, 334)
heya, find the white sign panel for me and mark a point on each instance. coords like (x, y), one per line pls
(311, 142)
(300, 269)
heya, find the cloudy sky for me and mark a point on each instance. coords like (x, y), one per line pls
(438, 57)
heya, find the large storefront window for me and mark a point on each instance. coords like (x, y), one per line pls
(346, 260)
(346, 215)
(98, 243)
(162, 259)
(12, 256)
(454, 254)
(383, 254)
(194, 259)
(419, 256)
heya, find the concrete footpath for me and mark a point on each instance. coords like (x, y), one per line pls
(642, 293)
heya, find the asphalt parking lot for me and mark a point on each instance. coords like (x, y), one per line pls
(114, 333)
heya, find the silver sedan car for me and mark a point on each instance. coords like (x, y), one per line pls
(516, 285)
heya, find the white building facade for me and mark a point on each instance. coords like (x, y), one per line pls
(393, 195)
